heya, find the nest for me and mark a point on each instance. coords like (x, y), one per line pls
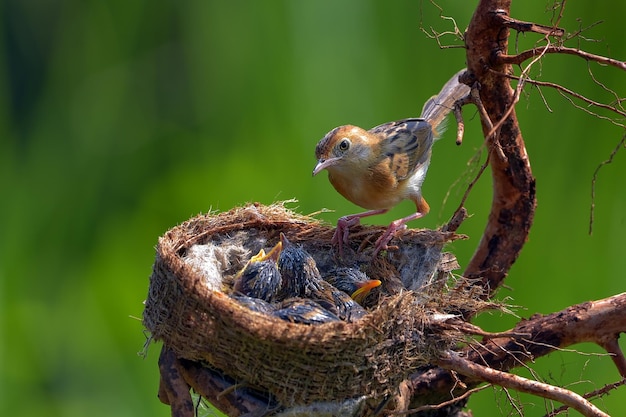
(189, 308)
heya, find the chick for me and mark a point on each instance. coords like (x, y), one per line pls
(301, 278)
(255, 304)
(301, 310)
(354, 282)
(260, 277)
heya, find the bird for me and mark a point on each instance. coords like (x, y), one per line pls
(338, 302)
(380, 167)
(286, 283)
(255, 304)
(304, 311)
(353, 282)
(301, 278)
(260, 277)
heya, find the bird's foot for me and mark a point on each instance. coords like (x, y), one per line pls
(383, 241)
(340, 237)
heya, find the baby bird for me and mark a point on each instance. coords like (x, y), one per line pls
(255, 304)
(260, 277)
(354, 282)
(378, 168)
(301, 278)
(301, 310)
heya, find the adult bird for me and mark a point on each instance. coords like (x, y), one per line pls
(378, 168)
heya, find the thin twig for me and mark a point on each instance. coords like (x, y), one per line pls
(522, 79)
(518, 59)
(429, 407)
(569, 92)
(594, 179)
(433, 34)
(593, 394)
(470, 186)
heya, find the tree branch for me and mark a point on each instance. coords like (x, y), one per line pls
(521, 26)
(598, 322)
(518, 59)
(513, 203)
(454, 361)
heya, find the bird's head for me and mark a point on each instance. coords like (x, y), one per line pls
(297, 268)
(343, 149)
(353, 282)
(261, 257)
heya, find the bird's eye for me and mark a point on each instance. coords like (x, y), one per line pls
(344, 145)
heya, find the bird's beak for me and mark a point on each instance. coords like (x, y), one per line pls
(364, 289)
(274, 253)
(323, 164)
(259, 257)
(284, 241)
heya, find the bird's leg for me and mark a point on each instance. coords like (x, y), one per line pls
(340, 237)
(400, 224)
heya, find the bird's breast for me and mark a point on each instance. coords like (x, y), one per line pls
(370, 190)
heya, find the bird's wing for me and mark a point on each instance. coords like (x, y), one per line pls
(406, 143)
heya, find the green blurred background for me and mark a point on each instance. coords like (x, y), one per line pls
(121, 119)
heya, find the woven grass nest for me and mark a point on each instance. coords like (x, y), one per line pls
(190, 310)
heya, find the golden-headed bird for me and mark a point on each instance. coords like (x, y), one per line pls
(380, 167)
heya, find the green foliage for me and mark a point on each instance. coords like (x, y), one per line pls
(119, 120)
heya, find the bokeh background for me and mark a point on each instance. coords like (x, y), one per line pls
(121, 119)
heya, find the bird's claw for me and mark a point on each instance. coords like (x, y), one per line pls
(383, 241)
(342, 232)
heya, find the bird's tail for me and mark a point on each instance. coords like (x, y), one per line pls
(437, 107)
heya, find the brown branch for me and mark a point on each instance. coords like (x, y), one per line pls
(521, 26)
(458, 115)
(179, 375)
(454, 361)
(598, 322)
(518, 59)
(513, 203)
(433, 34)
(173, 389)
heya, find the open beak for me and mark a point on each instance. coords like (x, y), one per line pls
(323, 164)
(364, 289)
(259, 257)
(274, 253)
